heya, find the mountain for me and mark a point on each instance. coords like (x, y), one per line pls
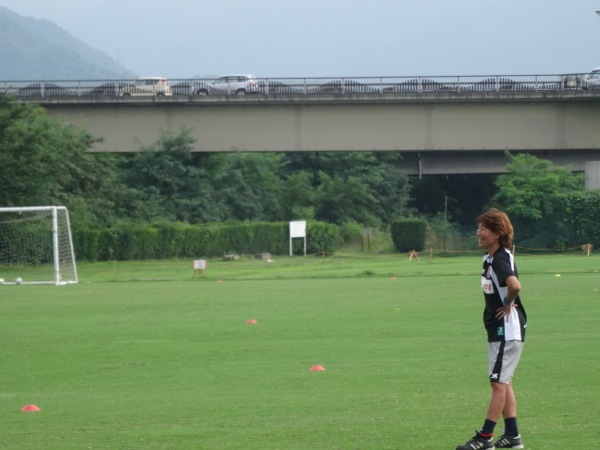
(37, 49)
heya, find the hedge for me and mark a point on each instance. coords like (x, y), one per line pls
(135, 241)
(408, 234)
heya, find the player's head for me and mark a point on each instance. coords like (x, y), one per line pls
(499, 223)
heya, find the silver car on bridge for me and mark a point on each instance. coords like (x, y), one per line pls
(230, 84)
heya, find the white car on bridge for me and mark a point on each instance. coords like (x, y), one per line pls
(147, 86)
(592, 79)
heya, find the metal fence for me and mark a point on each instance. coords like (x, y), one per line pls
(311, 86)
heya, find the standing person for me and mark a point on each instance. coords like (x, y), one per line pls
(505, 321)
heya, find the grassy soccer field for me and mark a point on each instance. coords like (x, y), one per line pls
(146, 356)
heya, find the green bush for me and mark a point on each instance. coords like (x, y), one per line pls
(135, 241)
(170, 237)
(351, 233)
(271, 237)
(322, 237)
(408, 234)
(196, 241)
(88, 243)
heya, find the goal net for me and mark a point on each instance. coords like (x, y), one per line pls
(36, 246)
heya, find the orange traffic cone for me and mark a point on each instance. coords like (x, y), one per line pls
(30, 408)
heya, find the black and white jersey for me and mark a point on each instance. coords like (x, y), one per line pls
(496, 269)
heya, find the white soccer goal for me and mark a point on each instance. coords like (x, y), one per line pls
(36, 246)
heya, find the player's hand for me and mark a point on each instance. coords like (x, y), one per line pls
(505, 311)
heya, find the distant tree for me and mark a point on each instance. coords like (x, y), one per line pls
(392, 188)
(343, 200)
(366, 187)
(535, 193)
(247, 184)
(168, 182)
(583, 213)
(297, 197)
(45, 161)
(534, 188)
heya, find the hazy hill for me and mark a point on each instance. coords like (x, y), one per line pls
(33, 49)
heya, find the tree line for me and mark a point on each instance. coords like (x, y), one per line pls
(44, 161)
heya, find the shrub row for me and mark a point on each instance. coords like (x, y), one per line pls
(134, 241)
(408, 234)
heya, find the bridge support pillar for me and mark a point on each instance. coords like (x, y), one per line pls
(592, 175)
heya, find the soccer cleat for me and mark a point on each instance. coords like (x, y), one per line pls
(478, 442)
(509, 442)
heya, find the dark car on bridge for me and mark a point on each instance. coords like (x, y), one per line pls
(279, 87)
(189, 87)
(45, 90)
(110, 88)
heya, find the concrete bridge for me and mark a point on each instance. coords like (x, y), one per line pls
(437, 132)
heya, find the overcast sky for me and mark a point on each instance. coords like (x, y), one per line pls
(313, 38)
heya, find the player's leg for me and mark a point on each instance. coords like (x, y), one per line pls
(511, 437)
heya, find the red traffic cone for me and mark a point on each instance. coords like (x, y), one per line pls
(30, 408)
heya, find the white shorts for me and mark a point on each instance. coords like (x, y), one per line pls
(503, 359)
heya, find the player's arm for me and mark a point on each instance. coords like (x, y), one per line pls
(513, 288)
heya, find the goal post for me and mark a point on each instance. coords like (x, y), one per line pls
(36, 246)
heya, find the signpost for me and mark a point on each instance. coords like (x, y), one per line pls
(199, 267)
(298, 230)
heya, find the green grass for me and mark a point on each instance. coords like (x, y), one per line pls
(123, 362)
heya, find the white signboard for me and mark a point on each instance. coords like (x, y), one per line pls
(199, 264)
(298, 230)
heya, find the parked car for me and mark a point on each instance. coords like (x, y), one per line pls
(110, 88)
(591, 80)
(417, 85)
(277, 87)
(185, 88)
(45, 90)
(147, 86)
(492, 84)
(231, 84)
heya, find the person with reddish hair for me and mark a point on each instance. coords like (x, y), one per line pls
(505, 321)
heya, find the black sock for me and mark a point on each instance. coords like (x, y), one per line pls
(488, 428)
(510, 427)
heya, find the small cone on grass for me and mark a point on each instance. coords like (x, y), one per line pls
(30, 408)
(251, 322)
(317, 369)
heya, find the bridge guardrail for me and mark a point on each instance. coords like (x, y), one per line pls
(314, 86)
